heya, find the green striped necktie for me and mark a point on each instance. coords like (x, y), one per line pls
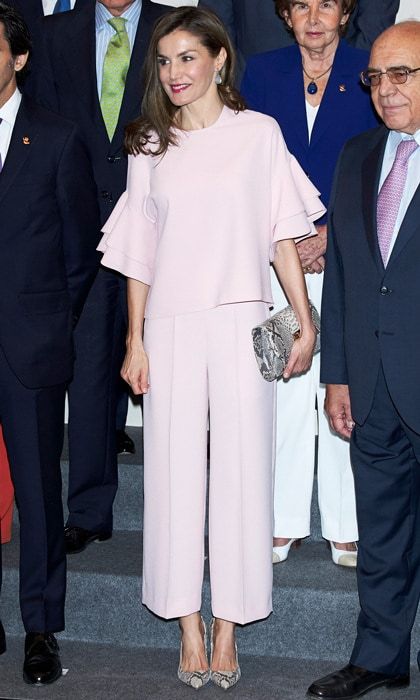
(116, 63)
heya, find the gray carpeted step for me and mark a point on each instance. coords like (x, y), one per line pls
(128, 506)
(100, 672)
(315, 603)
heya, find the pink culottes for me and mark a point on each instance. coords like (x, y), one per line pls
(202, 366)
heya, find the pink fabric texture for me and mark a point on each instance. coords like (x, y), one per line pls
(199, 225)
(389, 198)
(199, 363)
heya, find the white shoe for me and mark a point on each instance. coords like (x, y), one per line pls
(342, 557)
(281, 553)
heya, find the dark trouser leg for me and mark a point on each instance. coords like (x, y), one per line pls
(93, 475)
(387, 481)
(122, 387)
(33, 421)
(122, 405)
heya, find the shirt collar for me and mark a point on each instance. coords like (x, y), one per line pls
(102, 14)
(10, 109)
(395, 137)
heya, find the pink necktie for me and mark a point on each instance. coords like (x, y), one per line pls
(389, 198)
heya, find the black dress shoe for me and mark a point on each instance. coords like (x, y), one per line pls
(125, 445)
(77, 539)
(352, 682)
(42, 663)
(2, 639)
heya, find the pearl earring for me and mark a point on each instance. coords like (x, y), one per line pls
(218, 78)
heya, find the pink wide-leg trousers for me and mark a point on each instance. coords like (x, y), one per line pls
(202, 366)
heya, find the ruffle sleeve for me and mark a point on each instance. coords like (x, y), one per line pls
(130, 235)
(295, 200)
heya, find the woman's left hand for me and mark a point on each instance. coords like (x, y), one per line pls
(302, 352)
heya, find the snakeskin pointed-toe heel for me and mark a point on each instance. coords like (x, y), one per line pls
(195, 679)
(223, 679)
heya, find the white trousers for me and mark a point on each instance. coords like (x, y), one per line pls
(203, 364)
(298, 422)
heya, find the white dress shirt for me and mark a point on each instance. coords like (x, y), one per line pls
(177, 3)
(104, 33)
(409, 9)
(311, 113)
(413, 175)
(8, 116)
(49, 5)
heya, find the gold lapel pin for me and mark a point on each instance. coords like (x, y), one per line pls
(26, 140)
(342, 87)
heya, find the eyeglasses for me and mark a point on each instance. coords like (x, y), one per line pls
(396, 76)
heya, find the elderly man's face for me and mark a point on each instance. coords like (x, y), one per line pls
(116, 7)
(397, 105)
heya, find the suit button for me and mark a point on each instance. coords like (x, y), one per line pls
(385, 290)
(104, 194)
(113, 159)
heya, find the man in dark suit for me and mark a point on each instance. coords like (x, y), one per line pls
(255, 26)
(70, 81)
(49, 230)
(370, 360)
(34, 10)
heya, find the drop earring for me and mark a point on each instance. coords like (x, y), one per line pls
(218, 78)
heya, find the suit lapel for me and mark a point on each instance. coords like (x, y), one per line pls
(79, 56)
(38, 9)
(292, 101)
(23, 137)
(409, 226)
(131, 104)
(331, 103)
(371, 173)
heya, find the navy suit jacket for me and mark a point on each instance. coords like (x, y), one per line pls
(33, 11)
(369, 313)
(65, 82)
(48, 236)
(255, 26)
(273, 84)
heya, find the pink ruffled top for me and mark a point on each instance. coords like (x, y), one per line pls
(199, 225)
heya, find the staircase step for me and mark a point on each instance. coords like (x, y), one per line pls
(98, 671)
(128, 504)
(315, 603)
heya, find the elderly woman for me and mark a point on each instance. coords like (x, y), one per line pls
(212, 196)
(313, 90)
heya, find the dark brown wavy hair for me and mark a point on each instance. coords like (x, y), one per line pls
(153, 131)
(284, 6)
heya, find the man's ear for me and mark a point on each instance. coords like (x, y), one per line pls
(20, 61)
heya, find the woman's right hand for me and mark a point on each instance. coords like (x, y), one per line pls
(301, 354)
(135, 369)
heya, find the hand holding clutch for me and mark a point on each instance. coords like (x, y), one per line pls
(273, 341)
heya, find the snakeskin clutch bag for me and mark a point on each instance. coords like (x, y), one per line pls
(273, 340)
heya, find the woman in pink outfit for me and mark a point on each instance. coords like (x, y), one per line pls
(213, 196)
